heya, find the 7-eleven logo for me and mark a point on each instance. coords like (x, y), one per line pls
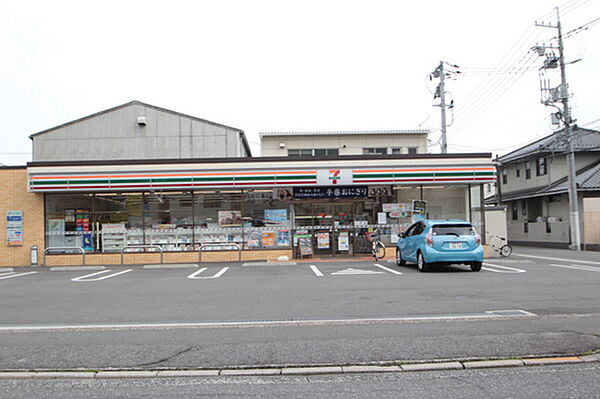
(334, 175)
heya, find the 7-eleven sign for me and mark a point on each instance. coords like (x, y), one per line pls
(329, 177)
(334, 175)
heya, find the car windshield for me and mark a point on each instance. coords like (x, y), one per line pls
(453, 229)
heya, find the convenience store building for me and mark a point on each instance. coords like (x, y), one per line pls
(119, 210)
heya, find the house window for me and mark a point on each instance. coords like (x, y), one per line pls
(313, 152)
(541, 166)
(375, 151)
(528, 170)
(300, 152)
(518, 170)
(412, 150)
(515, 210)
(504, 177)
(396, 150)
(320, 152)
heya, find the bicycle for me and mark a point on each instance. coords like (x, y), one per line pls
(505, 250)
(377, 247)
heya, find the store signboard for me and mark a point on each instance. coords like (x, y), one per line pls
(330, 192)
(323, 240)
(14, 228)
(380, 191)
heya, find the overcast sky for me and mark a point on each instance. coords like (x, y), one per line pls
(294, 65)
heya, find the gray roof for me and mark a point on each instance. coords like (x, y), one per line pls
(345, 132)
(584, 140)
(587, 179)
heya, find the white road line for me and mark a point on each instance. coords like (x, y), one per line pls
(84, 279)
(388, 269)
(559, 259)
(316, 271)
(506, 269)
(15, 275)
(486, 315)
(578, 267)
(219, 274)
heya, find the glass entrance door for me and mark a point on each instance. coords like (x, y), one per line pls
(333, 228)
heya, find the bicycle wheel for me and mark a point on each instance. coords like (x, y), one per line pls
(506, 250)
(379, 251)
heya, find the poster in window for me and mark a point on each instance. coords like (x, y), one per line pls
(268, 239)
(253, 240)
(323, 240)
(283, 238)
(230, 218)
(343, 241)
(276, 216)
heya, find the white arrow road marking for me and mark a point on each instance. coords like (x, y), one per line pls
(316, 271)
(350, 271)
(560, 259)
(83, 279)
(578, 267)
(388, 269)
(219, 274)
(13, 274)
(506, 269)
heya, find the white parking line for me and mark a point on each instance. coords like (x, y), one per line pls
(578, 267)
(560, 259)
(219, 274)
(388, 269)
(486, 315)
(506, 269)
(83, 279)
(316, 271)
(13, 274)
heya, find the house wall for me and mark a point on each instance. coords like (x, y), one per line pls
(591, 211)
(116, 135)
(557, 169)
(349, 144)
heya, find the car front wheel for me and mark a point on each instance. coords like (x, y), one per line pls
(399, 260)
(421, 264)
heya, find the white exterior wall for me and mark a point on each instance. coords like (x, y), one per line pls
(348, 144)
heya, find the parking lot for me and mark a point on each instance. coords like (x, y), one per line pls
(314, 312)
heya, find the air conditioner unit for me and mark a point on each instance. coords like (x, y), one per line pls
(141, 120)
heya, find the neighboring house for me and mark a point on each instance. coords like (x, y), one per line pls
(138, 131)
(333, 143)
(533, 185)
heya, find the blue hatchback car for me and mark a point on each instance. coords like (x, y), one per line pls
(440, 241)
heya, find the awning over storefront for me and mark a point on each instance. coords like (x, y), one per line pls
(260, 172)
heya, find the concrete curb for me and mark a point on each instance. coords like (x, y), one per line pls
(300, 370)
(269, 264)
(76, 268)
(171, 266)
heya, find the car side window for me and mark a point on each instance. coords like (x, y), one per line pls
(419, 228)
(409, 232)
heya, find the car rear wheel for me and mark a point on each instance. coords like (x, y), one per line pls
(421, 264)
(399, 260)
(475, 266)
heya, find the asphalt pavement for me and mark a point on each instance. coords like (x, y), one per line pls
(538, 302)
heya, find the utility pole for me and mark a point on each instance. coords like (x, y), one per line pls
(440, 92)
(562, 93)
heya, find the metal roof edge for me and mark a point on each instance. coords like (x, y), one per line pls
(134, 102)
(258, 159)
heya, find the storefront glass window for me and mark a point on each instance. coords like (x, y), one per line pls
(267, 219)
(217, 217)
